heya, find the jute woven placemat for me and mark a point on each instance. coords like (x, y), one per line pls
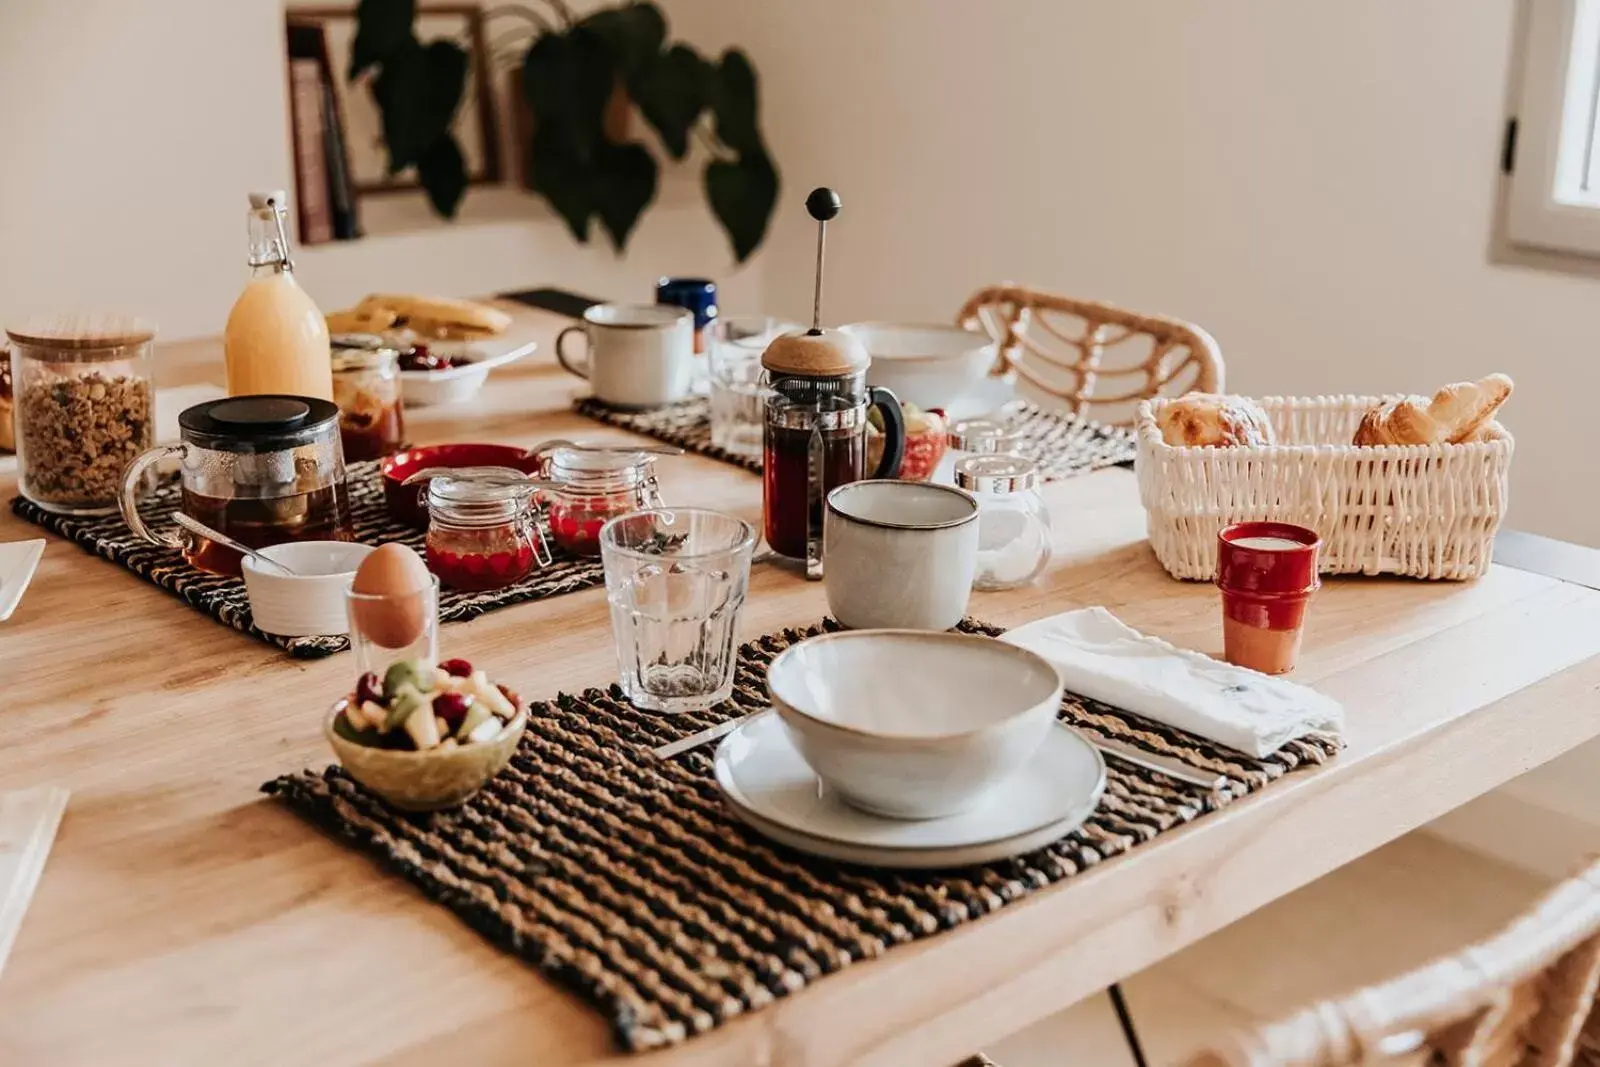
(1062, 445)
(225, 600)
(627, 880)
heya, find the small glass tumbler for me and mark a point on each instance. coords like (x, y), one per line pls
(738, 398)
(676, 579)
(385, 628)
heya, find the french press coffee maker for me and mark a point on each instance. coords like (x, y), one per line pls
(815, 432)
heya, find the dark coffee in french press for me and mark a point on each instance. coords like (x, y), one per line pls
(815, 433)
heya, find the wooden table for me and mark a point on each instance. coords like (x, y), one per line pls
(183, 918)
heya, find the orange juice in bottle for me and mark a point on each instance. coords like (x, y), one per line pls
(276, 340)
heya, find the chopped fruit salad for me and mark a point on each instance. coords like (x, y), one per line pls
(419, 707)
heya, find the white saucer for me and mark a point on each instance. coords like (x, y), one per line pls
(773, 790)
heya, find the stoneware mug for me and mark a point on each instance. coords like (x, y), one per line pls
(899, 555)
(639, 355)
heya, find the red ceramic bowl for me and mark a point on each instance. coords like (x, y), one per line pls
(405, 502)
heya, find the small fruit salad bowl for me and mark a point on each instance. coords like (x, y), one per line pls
(423, 737)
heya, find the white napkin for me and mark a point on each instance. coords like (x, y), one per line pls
(1102, 658)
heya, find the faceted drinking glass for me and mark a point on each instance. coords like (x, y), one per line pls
(737, 396)
(676, 579)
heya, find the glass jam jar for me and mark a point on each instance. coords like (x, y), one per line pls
(1013, 521)
(483, 528)
(366, 386)
(590, 487)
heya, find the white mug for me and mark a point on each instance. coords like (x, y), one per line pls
(899, 555)
(640, 355)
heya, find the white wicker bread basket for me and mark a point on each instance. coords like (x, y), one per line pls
(1428, 511)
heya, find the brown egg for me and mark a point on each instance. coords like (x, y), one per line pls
(397, 574)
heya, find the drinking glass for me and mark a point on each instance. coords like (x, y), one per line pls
(736, 392)
(385, 628)
(676, 579)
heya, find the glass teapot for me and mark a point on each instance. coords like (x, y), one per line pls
(261, 469)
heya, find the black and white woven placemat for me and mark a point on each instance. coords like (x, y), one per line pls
(1063, 445)
(224, 599)
(626, 879)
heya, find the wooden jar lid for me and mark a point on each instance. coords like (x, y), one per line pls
(816, 354)
(80, 331)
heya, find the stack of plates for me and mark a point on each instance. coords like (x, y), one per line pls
(774, 791)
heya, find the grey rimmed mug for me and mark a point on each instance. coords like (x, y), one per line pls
(899, 555)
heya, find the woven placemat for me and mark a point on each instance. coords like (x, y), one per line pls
(627, 880)
(225, 600)
(1062, 444)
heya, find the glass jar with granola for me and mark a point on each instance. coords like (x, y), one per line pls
(85, 407)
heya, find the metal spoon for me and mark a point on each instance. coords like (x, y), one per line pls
(195, 526)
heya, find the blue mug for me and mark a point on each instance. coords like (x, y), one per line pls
(698, 295)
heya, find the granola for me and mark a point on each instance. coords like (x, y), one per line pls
(79, 433)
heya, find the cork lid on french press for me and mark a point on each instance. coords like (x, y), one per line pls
(817, 353)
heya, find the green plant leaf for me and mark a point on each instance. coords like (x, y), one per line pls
(555, 174)
(623, 184)
(735, 102)
(417, 91)
(382, 27)
(633, 33)
(671, 92)
(743, 193)
(566, 80)
(442, 172)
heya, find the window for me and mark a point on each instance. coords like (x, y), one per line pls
(1555, 171)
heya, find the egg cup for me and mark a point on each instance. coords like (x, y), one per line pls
(385, 627)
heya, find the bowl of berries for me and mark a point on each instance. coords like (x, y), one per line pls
(436, 373)
(426, 737)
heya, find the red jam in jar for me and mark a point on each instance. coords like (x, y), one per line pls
(594, 486)
(483, 534)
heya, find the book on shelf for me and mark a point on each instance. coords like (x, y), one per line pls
(310, 152)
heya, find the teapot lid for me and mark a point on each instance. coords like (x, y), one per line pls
(256, 424)
(816, 353)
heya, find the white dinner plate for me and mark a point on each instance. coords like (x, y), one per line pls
(18, 561)
(770, 787)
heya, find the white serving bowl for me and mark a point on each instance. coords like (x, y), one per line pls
(432, 388)
(929, 366)
(311, 601)
(909, 724)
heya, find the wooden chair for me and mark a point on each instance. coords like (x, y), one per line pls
(1524, 998)
(1091, 355)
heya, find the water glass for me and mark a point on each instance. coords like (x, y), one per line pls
(385, 628)
(737, 397)
(676, 579)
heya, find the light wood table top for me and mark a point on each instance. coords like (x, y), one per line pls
(185, 919)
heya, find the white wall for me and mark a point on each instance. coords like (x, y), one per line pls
(131, 130)
(1313, 182)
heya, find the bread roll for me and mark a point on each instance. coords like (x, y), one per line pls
(1455, 414)
(438, 316)
(1210, 420)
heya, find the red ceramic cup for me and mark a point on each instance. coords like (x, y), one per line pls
(1267, 572)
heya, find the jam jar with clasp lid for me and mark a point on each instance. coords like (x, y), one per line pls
(483, 527)
(590, 485)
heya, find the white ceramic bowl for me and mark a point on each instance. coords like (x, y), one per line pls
(913, 725)
(929, 366)
(311, 602)
(431, 388)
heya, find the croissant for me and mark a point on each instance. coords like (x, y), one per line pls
(1455, 414)
(1210, 420)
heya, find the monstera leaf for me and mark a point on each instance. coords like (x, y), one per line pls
(571, 78)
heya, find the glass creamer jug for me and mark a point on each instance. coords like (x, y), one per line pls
(261, 469)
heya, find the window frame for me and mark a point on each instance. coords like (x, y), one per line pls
(1536, 214)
